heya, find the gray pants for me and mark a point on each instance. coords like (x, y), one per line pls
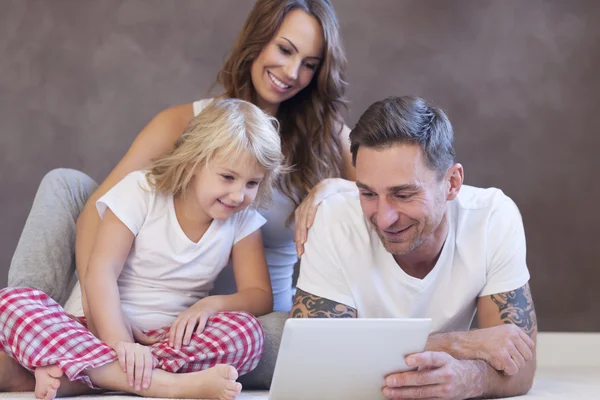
(45, 256)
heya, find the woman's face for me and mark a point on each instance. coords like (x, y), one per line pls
(287, 64)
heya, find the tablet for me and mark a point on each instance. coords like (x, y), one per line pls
(322, 358)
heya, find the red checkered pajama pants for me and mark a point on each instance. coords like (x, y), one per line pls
(36, 331)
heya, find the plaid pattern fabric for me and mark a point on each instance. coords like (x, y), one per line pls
(36, 331)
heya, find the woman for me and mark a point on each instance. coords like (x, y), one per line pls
(289, 61)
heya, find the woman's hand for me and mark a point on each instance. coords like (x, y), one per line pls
(192, 320)
(304, 215)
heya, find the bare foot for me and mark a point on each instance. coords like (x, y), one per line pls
(217, 382)
(13, 377)
(47, 381)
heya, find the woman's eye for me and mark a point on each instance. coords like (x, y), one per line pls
(285, 50)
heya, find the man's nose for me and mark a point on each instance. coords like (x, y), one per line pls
(386, 215)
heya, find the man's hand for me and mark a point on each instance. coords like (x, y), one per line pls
(192, 320)
(438, 375)
(506, 348)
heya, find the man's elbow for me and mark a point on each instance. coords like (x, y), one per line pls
(526, 382)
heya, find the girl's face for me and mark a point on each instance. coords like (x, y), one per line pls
(225, 186)
(287, 64)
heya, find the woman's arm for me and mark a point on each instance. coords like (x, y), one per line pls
(113, 244)
(304, 215)
(156, 139)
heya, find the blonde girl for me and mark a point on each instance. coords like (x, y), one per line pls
(165, 234)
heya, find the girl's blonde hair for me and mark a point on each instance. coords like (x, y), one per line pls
(311, 121)
(223, 130)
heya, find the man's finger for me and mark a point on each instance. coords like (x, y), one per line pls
(420, 392)
(524, 350)
(417, 378)
(517, 357)
(527, 339)
(428, 359)
(510, 367)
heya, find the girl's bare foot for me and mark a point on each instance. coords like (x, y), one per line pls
(13, 377)
(217, 382)
(47, 382)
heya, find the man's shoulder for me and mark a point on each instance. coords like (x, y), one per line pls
(486, 209)
(341, 208)
(474, 198)
(340, 217)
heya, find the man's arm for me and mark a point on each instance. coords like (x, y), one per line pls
(511, 308)
(307, 305)
(498, 317)
(508, 320)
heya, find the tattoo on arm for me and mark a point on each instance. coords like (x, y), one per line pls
(516, 307)
(307, 305)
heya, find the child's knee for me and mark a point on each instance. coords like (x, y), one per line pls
(245, 322)
(17, 294)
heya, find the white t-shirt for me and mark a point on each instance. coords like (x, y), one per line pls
(165, 272)
(484, 254)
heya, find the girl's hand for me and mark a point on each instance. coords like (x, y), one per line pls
(138, 335)
(304, 215)
(192, 320)
(137, 362)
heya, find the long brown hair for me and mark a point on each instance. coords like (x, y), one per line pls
(310, 122)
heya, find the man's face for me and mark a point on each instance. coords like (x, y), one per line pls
(400, 196)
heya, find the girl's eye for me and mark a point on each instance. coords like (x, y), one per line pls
(227, 177)
(252, 184)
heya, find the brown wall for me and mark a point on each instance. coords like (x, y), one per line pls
(79, 79)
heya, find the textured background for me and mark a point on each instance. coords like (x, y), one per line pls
(79, 79)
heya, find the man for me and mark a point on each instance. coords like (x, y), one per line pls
(416, 242)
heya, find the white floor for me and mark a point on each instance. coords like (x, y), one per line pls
(568, 368)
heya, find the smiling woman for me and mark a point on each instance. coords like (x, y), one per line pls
(288, 60)
(282, 69)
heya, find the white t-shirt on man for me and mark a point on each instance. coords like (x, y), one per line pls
(484, 254)
(165, 272)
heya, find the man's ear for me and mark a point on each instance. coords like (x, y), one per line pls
(454, 178)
